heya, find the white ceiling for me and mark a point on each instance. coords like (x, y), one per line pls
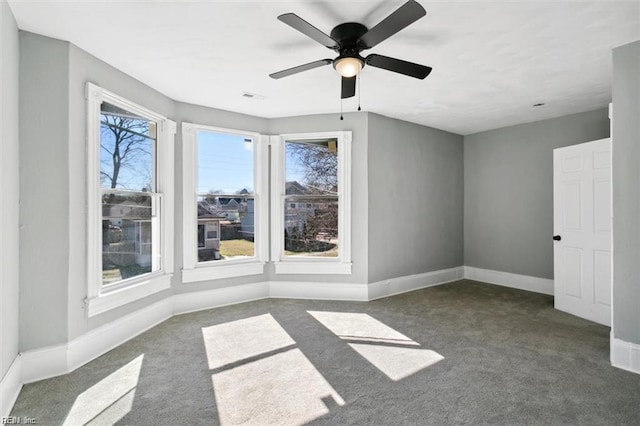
(491, 60)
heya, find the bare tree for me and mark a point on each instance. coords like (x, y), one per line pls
(320, 165)
(319, 172)
(125, 144)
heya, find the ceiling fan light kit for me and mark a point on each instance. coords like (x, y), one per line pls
(350, 39)
(348, 66)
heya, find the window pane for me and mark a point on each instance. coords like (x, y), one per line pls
(311, 167)
(128, 221)
(311, 228)
(311, 200)
(226, 206)
(127, 145)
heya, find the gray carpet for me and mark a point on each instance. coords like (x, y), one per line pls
(460, 353)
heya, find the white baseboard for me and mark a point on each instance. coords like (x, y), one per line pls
(10, 387)
(507, 279)
(207, 299)
(53, 361)
(407, 283)
(625, 355)
(101, 340)
(43, 363)
(319, 291)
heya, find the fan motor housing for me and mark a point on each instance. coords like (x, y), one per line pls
(347, 35)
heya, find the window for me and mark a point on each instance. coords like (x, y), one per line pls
(223, 203)
(130, 176)
(311, 203)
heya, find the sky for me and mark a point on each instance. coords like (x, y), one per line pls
(136, 171)
(225, 163)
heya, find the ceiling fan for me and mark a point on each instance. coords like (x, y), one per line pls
(351, 38)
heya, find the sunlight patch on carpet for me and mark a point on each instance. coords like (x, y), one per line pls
(378, 343)
(395, 362)
(235, 341)
(109, 400)
(284, 387)
(356, 326)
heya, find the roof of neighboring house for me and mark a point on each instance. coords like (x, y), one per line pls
(206, 213)
(295, 188)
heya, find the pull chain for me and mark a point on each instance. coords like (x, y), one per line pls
(359, 79)
(341, 117)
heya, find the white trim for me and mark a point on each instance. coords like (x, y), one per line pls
(44, 363)
(10, 387)
(261, 203)
(215, 298)
(121, 296)
(507, 279)
(293, 266)
(318, 291)
(625, 355)
(53, 361)
(101, 340)
(393, 286)
(94, 213)
(189, 214)
(206, 271)
(100, 299)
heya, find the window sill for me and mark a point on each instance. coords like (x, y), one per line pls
(137, 290)
(228, 270)
(312, 267)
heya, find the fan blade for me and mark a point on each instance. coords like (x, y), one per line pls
(300, 68)
(307, 29)
(348, 87)
(404, 16)
(398, 65)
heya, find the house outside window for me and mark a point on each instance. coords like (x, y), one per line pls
(129, 179)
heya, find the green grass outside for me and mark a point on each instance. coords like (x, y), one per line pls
(233, 248)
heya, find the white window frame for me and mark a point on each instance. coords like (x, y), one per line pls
(103, 298)
(310, 265)
(193, 270)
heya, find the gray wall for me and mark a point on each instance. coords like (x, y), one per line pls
(44, 184)
(626, 192)
(415, 199)
(508, 184)
(9, 190)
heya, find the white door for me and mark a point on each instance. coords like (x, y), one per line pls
(582, 230)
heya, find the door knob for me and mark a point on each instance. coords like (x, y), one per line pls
(557, 237)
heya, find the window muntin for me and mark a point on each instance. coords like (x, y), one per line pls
(225, 197)
(311, 207)
(130, 205)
